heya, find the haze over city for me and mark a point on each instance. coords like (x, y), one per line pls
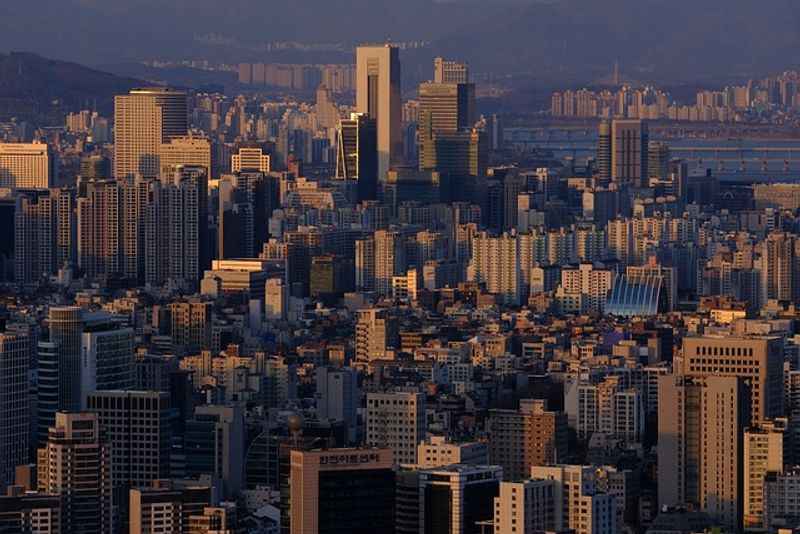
(399, 267)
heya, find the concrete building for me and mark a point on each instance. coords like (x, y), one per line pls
(15, 353)
(144, 120)
(448, 71)
(629, 151)
(342, 491)
(165, 507)
(376, 331)
(34, 513)
(185, 152)
(378, 94)
(45, 238)
(338, 397)
(250, 159)
(781, 500)
(214, 442)
(437, 451)
(763, 453)
(530, 436)
(28, 166)
(580, 504)
(701, 427)
(357, 155)
(75, 463)
(137, 425)
(756, 358)
(456, 498)
(525, 507)
(496, 263)
(396, 421)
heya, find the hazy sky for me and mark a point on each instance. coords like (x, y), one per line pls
(695, 37)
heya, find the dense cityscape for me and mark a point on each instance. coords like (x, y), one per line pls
(328, 303)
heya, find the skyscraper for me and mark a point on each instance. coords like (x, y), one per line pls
(144, 120)
(378, 95)
(701, 426)
(14, 408)
(76, 464)
(137, 426)
(604, 152)
(629, 151)
(44, 234)
(357, 155)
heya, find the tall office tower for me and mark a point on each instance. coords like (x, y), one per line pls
(44, 234)
(378, 95)
(338, 398)
(28, 166)
(137, 427)
(186, 151)
(581, 504)
(457, 154)
(446, 71)
(36, 513)
(604, 152)
(439, 452)
(100, 238)
(376, 332)
(85, 352)
(244, 211)
(365, 264)
(250, 159)
(14, 407)
(757, 359)
(763, 453)
(397, 421)
(144, 120)
(778, 260)
(525, 507)
(456, 499)
(496, 263)
(342, 491)
(176, 228)
(107, 355)
(190, 325)
(214, 445)
(59, 366)
(513, 186)
(357, 155)
(164, 507)
(390, 259)
(445, 108)
(629, 151)
(521, 439)
(658, 158)
(700, 438)
(75, 463)
(325, 109)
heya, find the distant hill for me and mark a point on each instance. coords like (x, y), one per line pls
(33, 85)
(553, 41)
